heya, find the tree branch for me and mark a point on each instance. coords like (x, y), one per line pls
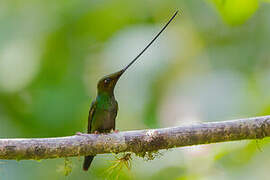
(135, 141)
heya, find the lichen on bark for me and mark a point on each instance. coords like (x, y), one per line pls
(141, 142)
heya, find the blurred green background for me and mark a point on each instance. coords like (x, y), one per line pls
(211, 64)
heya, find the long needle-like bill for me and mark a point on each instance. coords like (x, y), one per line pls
(150, 42)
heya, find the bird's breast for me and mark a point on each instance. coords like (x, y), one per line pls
(104, 119)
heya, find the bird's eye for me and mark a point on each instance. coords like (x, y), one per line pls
(107, 81)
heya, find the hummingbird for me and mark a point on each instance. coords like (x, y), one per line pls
(103, 111)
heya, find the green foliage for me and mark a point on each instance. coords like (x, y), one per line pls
(170, 173)
(236, 12)
(66, 168)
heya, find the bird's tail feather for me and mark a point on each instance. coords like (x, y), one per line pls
(87, 162)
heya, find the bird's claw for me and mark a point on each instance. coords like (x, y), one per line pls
(79, 133)
(114, 131)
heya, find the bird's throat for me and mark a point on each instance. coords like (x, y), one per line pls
(105, 100)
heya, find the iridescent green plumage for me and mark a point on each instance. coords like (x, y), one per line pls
(104, 108)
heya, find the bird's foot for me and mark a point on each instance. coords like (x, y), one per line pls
(79, 133)
(115, 131)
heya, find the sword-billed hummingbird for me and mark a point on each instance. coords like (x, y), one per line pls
(104, 108)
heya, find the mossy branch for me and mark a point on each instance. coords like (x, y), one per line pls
(139, 141)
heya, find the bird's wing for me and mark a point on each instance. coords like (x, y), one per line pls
(115, 114)
(91, 115)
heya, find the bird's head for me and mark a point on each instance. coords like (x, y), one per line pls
(107, 83)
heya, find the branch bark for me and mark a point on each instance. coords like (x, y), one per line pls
(135, 141)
